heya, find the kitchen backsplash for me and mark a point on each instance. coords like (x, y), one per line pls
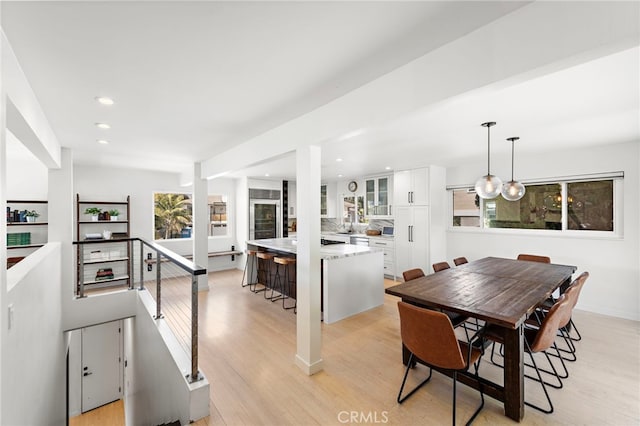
(334, 225)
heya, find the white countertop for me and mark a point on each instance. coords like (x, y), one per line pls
(332, 251)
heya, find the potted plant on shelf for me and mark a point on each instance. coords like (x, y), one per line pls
(31, 215)
(94, 212)
(113, 214)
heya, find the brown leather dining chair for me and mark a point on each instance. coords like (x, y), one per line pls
(412, 274)
(538, 340)
(534, 258)
(429, 336)
(455, 318)
(440, 266)
(572, 293)
(460, 261)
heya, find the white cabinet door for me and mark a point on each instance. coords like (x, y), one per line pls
(378, 195)
(411, 187)
(402, 230)
(420, 239)
(402, 188)
(412, 239)
(420, 187)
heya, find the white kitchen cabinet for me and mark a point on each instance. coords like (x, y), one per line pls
(412, 238)
(388, 245)
(378, 196)
(328, 200)
(411, 187)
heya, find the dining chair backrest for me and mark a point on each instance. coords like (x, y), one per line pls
(460, 261)
(412, 274)
(548, 330)
(534, 258)
(440, 266)
(429, 335)
(572, 293)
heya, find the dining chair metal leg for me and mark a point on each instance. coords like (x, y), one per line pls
(400, 398)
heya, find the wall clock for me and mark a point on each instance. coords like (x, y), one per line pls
(353, 186)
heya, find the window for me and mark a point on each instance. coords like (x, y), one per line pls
(540, 208)
(172, 215)
(578, 205)
(353, 210)
(590, 205)
(466, 208)
(217, 215)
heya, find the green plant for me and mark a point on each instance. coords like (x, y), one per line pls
(114, 212)
(93, 211)
(32, 213)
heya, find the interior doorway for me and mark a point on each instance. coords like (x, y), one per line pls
(102, 366)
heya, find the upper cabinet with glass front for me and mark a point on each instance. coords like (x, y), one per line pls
(328, 200)
(378, 196)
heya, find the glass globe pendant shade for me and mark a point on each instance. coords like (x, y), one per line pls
(513, 190)
(488, 186)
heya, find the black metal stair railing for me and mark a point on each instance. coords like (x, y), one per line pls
(136, 265)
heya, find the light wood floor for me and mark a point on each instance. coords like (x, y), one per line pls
(247, 348)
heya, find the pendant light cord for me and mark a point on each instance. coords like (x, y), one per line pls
(488, 150)
(512, 140)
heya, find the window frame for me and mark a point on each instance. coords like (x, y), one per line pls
(618, 208)
(153, 204)
(229, 217)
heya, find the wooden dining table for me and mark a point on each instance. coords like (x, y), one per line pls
(499, 291)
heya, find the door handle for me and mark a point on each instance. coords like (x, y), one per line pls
(87, 373)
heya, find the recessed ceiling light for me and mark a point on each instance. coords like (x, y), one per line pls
(339, 175)
(338, 160)
(266, 174)
(103, 141)
(103, 125)
(387, 168)
(104, 100)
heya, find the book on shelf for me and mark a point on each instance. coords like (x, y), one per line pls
(104, 274)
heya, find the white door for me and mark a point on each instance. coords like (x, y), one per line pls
(101, 364)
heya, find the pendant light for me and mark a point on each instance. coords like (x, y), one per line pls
(488, 186)
(513, 190)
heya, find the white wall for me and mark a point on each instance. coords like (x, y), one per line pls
(152, 398)
(613, 263)
(33, 351)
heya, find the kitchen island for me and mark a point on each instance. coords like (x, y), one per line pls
(352, 279)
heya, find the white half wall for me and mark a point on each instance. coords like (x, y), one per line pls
(612, 262)
(34, 346)
(156, 390)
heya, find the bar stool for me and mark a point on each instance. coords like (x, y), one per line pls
(264, 271)
(284, 279)
(250, 265)
(285, 287)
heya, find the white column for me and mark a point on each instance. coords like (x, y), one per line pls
(308, 356)
(200, 232)
(60, 212)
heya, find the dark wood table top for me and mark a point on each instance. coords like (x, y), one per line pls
(496, 290)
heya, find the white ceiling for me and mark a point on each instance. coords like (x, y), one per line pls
(192, 79)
